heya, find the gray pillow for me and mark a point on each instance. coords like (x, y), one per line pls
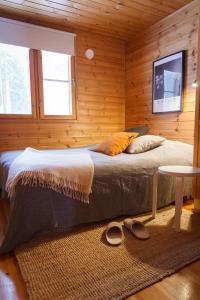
(144, 143)
(140, 130)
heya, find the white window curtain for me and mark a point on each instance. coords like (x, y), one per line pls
(36, 37)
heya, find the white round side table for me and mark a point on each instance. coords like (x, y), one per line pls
(179, 172)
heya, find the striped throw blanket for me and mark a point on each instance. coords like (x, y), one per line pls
(67, 173)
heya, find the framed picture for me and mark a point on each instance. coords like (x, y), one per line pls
(168, 78)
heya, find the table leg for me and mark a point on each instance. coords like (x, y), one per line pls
(178, 203)
(154, 196)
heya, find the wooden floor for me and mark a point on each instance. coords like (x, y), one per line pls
(183, 285)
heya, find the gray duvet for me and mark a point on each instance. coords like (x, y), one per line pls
(122, 185)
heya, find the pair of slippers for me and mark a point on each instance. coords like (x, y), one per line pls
(114, 231)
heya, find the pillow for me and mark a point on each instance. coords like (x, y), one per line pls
(140, 130)
(115, 143)
(145, 143)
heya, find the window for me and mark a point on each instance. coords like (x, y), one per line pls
(36, 83)
(57, 84)
(15, 91)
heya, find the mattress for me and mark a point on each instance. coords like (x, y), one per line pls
(122, 185)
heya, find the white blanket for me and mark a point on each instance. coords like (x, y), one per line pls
(67, 173)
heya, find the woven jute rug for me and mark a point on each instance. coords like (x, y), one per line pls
(80, 265)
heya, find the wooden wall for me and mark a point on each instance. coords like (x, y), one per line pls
(174, 33)
(196, 181)
(100, 102)
(102, 83)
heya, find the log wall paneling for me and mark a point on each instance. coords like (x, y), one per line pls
(196, 187)
(176, 32)
(100, 102)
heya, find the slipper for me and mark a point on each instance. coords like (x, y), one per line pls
(137, 228)
(114, 233)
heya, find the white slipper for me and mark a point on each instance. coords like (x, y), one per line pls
(114, 233)
(137, 228)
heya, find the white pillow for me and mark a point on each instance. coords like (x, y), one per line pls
(144, 143)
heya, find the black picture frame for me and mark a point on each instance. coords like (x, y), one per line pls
(168, 83)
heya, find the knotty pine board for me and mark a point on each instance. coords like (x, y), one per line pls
(172, 34)
(100, 102)
(122, 19)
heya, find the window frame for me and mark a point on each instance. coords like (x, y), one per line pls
(37, 92)
(33, 115)
(42, 116)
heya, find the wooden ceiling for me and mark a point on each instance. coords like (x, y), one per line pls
(118, 18)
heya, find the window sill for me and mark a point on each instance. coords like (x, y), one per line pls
(15, 116)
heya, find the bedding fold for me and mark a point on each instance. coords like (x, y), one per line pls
(70, 174)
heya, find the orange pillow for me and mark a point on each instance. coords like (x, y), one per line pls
(116, 143)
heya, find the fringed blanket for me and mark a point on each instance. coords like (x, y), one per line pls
(67, 173)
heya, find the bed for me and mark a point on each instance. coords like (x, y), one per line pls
(122, 185)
